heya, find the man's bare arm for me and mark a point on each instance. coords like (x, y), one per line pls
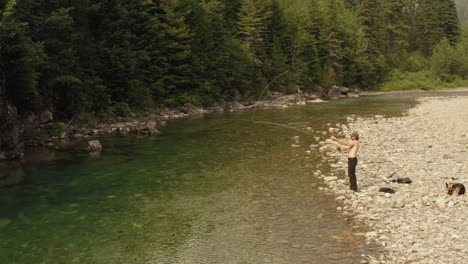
(341, 141)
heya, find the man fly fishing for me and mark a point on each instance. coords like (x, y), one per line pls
(353, 147)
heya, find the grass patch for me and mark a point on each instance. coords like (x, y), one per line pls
(424, 80)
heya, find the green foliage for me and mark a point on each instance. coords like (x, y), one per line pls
(106, 58)
(446, 68)
(56, 128)
(19, 58)
(414, 62)
(436, 20)
(89, 119)
(450, 62)
(121, 109)
(425, 80)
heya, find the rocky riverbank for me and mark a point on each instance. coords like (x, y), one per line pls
(149, 125)
(78, 131)
(418, 223)
(17, 132)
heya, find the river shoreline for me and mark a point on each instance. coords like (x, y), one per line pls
(378, 93)
(149, 125)
(73, 137)
(42, 129)
(419, 223)
(37, 129)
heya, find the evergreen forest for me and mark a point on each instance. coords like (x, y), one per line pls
(112, 58)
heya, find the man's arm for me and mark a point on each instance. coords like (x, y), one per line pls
(341, 141)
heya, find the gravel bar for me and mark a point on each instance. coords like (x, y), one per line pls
(419, 223)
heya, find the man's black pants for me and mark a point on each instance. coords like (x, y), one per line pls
(352, 162)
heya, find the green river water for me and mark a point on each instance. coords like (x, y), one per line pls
(217, 189)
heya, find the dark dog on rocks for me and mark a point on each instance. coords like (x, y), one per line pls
(455, 188)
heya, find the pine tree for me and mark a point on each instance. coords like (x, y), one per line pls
(253, 27)
(230, 66)
(61, 82)
(277, 40)
(410, 10)
(231, 13)
(19, 59)
(450, 21)
(396, 30)
(332, 43)
(146, 36)
(304, 49)
(370, 57)
(436, 19)
(176, 80)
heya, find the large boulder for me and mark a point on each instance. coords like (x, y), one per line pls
(219, 108)
(9, 127)
(285, 100)
(335, 92)
(238, 106)
(192, 110)
(311, 96)
(149, 128)
(16, 129)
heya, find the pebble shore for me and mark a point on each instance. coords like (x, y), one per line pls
(419, 223)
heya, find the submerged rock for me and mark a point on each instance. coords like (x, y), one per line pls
(94, 145)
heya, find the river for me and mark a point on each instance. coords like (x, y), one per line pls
(214, 189)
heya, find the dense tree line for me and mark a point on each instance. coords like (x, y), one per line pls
(105, 58)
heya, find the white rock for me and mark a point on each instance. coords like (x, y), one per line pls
(440, 202)
(330, 178)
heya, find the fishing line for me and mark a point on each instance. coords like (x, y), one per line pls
(268, 85)
(282, 125)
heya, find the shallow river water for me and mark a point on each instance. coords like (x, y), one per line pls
(217, 189)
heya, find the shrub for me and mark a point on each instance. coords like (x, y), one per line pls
(56, 128)
(425, 80)
(122, 109)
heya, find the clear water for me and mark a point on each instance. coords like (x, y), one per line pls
(217, 189)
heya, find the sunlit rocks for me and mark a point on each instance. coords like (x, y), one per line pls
(401, 182)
